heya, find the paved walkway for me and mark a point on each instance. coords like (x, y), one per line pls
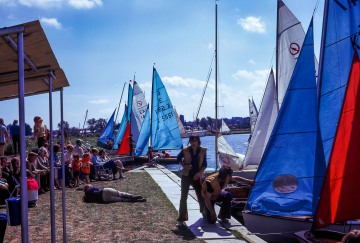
(170, 184)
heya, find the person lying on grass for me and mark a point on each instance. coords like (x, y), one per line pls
(108, 195)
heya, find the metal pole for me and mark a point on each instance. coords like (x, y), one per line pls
(152, 103)
(24, 195)
(120, 102)
(84, 133)
(322, 49)
(51, 146)
(63, 198)
(216, 89)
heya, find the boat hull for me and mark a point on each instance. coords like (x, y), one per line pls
(283, 229)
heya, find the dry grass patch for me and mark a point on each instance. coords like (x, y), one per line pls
(153, 221)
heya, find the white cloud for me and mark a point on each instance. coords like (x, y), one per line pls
(210, 46)
(9, 3)
(252, 24)
(85, 4)
(41, 3)
(99, 101)
(52, 22)
(177, 81)
(251, 61)
(257, 80)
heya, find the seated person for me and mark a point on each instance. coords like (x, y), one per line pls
(4, 189)
(7, 173)
(114, 166)
(351, 237)
(108, 195)
(212, 192)
(165, 155)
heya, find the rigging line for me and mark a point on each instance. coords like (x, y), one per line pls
(204, 90)
(316, 7)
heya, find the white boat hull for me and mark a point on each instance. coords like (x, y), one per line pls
(283, 229)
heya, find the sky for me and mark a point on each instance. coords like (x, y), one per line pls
(101, 44)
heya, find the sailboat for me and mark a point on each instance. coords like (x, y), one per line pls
(339, 120)
(224, 129)
(160, 127)
(263, 127)
(183, 132)
(289, 178)
(139, 106)
(107, 137)
(290, 36)
(253, 113)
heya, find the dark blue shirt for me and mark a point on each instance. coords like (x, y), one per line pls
(94, 195)
(194, 160)
(14, 129)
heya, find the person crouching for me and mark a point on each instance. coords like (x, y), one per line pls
(212, 192)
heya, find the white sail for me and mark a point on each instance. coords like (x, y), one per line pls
(139, 107)
(289, 42)
(253, 112)
(224, 128)
(181, 126)
(264, 125)
(227, 155)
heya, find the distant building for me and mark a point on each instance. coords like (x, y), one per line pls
(182, 119)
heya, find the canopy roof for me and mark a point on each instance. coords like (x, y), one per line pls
(39, 61)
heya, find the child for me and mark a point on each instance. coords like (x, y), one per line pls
(76, 165)
(85, 167)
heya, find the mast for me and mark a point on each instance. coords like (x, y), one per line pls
(152, 103)
(216, 87)
(120, 102)
(322, 48)
(84, 132)
(277, 50)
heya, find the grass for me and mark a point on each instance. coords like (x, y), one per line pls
(153, 221)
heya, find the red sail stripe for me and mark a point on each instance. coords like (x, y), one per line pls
(338, 200)
(124, 147)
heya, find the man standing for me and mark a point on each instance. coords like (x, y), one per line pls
(4, 136)
(39, 131)
(212, 191)
(79, 149)
(15, 133)
(194, 164)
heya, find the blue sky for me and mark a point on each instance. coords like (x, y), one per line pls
(101, 44)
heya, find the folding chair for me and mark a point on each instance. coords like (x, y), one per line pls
(102, 173)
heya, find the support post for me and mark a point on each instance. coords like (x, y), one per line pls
(216, 89)
(21, 86)
(51, 148)
(63, 194)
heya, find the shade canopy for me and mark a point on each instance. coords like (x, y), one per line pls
(39, 62)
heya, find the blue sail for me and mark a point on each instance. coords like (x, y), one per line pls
(339, 35)
(108, 133)
(165, 131)
(289, 178)
(122, 128)
(143, 140)
(130, 101)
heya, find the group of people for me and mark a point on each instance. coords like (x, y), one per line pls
(208, 191)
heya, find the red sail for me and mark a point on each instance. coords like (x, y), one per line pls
(124, 147)
(338, 200)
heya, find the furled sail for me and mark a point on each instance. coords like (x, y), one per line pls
(227, 155)
(181, 126)
(264, 125)
(165, 133)
(289, 178)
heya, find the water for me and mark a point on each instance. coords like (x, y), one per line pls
(237, 141)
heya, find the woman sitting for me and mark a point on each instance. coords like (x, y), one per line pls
(108, 195)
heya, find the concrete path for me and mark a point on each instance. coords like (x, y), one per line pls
(170, 184)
